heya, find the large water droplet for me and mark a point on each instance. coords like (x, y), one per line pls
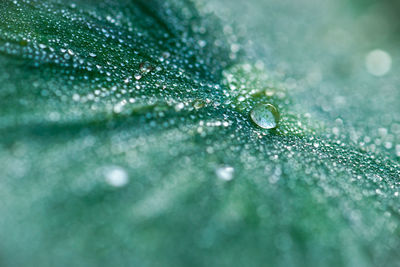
(265, 115)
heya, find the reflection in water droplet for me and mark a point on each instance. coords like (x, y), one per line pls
(225, 173)
(265, 116)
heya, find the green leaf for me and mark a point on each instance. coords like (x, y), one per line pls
(127, 140)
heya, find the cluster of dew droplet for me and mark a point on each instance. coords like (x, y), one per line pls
(113, 62)
(383, 139)
(119, 59)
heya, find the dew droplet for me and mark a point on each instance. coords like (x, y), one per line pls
(179, 106)
(378, 62)
(137, 76)
(198, 104)
(116, 176)
(166, 55)
(265, 116)
(145, 67)
(241, 98)
(225, 173)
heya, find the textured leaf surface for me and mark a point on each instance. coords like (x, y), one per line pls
(126, 138)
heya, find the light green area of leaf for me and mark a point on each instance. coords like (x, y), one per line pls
(126, 138)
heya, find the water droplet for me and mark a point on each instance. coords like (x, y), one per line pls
(145, 67)
(116, 176)
(225, 173)
(179, 106)
(265, 116)
(397, 148)
(137, 76)
(202, 43)
(241, 98)
(166, 55)
(198, 104)
(76, 97)
(378, 62)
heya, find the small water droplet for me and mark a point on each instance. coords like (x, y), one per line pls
(166, 55)
(378, 62)
(76, 97)
(145, 67)
(198, 104)
(265, 116)
(179, 106)
(202, 43)
(116, 176)
(241, 98)
(137, 76)
(225, 173)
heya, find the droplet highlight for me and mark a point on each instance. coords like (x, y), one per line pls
(116, 176)
(225, 173)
